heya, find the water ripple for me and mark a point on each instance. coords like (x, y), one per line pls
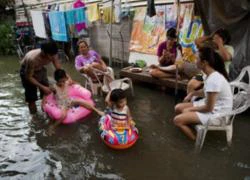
(20, 156)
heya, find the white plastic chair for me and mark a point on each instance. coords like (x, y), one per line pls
(94, 86)
(124, 84)
(109, 82)
(240, 80)
(240, 104)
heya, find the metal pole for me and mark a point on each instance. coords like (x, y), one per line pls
(177, 70)
(26, 13)
(111, 29)
(28, 19)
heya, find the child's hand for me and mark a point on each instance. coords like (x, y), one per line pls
(53, 90)
(100, 113)
(132, 123)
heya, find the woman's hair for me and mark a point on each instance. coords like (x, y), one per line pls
(116, 95)
(213, 59)
(171, 33)
(59, 74)
(82, 41)
(224, 34)
(49, 47)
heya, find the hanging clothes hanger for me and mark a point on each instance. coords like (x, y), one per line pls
(78, 4)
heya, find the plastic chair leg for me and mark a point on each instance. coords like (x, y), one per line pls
(132, 88)
(94, 89)
(229, 134)
(86, 85)
(201, 134)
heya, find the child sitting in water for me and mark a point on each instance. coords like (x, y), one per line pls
(64, 102)
(119, 111)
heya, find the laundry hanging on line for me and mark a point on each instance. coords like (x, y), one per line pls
(117, 10)
(93, 12)
(76, 21)
(58, 26)
(38, 24)
(151, 8)
(78, 4)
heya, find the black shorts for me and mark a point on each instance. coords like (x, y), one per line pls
(31, 89)
(198, 77)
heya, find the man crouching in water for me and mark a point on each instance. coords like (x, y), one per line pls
(33, 73)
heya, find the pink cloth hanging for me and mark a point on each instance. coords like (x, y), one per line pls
(79, 4)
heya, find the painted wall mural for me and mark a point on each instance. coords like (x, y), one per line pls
(148, 33)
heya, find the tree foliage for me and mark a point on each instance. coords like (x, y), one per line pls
(7, 3)
(6, 39)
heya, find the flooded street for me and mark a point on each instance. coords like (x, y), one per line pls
(76, 151)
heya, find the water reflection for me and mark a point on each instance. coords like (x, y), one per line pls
(20, 157)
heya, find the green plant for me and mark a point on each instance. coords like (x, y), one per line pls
(6, 40)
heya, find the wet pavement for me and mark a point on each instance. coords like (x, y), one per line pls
(77, 152)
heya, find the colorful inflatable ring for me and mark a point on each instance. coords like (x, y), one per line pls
(75, 113)
(121, 139)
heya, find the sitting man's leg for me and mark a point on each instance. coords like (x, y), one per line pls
(157, 73)
(169, 69)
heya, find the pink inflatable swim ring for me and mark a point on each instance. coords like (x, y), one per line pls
(121, 139)
(74, 113)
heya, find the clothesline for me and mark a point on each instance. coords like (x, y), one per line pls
(124, 3)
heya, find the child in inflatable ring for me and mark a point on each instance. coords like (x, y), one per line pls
(118, 110)
(63, 101)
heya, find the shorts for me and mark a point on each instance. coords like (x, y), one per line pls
(31, 89)
(198, 77)
(204, 117)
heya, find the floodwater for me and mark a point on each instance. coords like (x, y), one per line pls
(77, 152)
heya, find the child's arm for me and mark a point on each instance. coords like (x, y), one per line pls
(129, 114)
(107, 100)
(130, 120)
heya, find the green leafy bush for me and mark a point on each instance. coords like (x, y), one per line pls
(6, 40)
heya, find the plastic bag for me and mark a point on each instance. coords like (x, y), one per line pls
(140, 63)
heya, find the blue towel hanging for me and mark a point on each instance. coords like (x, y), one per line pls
(58, 26)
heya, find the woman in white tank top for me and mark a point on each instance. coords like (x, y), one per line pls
(217, 95)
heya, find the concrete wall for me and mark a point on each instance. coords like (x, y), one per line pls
(99, 39)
